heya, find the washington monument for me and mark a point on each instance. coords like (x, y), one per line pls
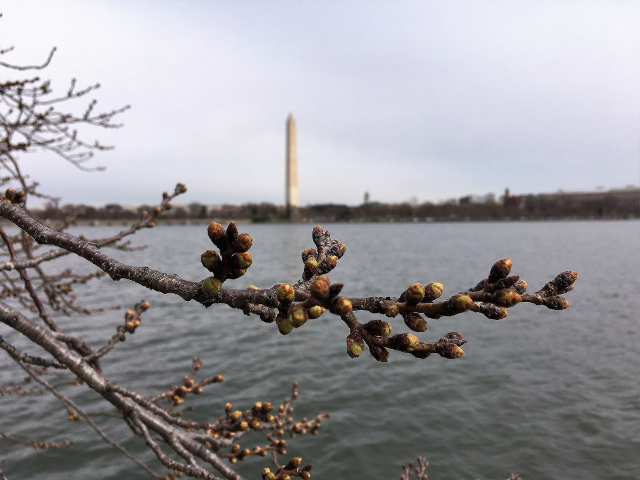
(291, 180)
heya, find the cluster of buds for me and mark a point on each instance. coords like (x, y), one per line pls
(232, 262)
(150, 219)
(238, 453)
(178, 393)
(132, 318)
(291, 469)
(320, 263)
(549, 295)
(11, 196)
(233, 421)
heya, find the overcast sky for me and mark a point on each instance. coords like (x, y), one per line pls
(427, 100)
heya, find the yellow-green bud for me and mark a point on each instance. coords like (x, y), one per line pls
(310, 267)
(252, 287)
(355, 344)
(405, 342)
(316, 311)
(236, 415)
(415, 322)
(286, 293)
(507, 298)
(432, 291)
(308, 253)
(459, 303)
(210, 260)
(379, 328)
(451, 351)
(284, 325)
(241, 260)
(391, 310)
(298, 316)
(414, 293)
(211, 286)
(341, 306)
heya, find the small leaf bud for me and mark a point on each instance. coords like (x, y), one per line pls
(298, 315)
(405, 342)
(355, 344)
(252, 287)
(317, 233)
(316, 311)
(520, 286)
(432, 291)
(284, 325)
(320, 287)
(232, 232)
(236, 415)
(310, 267)
(379, 328)
(308, 253)
(341, 306)
(286, 293)
(499, 270)
(414, 293)
(458, 303)
(242, 243)
(210, 260)
(211, 286)
(218, 379)
(217, 235)
(450, 351)
(565, 279)
(241, 260)
(391, 310)
(507, 298)
(555, 303)
(415, 322)
(328, 264)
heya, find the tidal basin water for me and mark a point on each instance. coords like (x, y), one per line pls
(546, 394)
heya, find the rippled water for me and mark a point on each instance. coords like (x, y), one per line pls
(549, 395)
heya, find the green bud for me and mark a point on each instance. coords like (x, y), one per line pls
(242, 243)
(284, 325)
(298, 316)
(493, 312)
(310, 267)
(432, 291)
(241, 260)
(379, 328)
(210, 260)
(316, 311)
(391, 310)
(405, 342)
(459, 303)
(355, 344)
(507, 298)
(415, 322)
(341, 306)
(286, 293)
(414, 293)
(211, 286)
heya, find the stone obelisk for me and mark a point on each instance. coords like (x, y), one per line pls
(291, 180)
